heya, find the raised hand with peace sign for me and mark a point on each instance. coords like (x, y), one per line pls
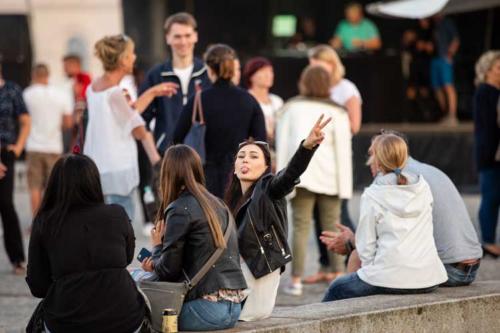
(316, 135)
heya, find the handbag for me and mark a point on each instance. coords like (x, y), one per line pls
(195, 138)
(36, 323)
(171, 295)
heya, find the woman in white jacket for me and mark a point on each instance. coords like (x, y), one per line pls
(328, 177)
(394, 236)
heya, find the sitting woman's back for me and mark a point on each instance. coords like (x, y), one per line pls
(78, 254)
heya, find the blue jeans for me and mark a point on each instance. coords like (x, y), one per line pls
(351, 286)
(203, 315)
(489, 181)
(457, 277)
(126, 201)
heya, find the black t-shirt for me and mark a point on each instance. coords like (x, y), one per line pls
(81, 273)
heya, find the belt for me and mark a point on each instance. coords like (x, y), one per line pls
(466, 267)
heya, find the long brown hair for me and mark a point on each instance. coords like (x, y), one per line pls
(233, 196)
(181, 169)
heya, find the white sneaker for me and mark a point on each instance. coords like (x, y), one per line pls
(449, 121)
(146, 230)
(293, 289)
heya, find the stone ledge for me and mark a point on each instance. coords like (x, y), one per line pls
(465, 309)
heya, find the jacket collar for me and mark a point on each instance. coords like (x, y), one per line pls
(199, 68)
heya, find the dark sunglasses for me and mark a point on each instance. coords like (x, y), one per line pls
(258, 143)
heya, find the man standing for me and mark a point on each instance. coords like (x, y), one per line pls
(446, 43)
(50, 111)
(188, 72)
(80, 82)
(13, 115)
(356, 33)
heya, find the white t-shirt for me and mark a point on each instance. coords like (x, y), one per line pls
(128, 83)
(109, 141)
(184, 74)
(343, 91)
(46, 105)
(269, 110)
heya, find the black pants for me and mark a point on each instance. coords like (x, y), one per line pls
(11, 229)
(145, 179)
(218, 175)
(345, 219)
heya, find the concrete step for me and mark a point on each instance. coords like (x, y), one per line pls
(464, 309)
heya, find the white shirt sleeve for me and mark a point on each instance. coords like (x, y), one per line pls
(366, 234)
(344, 91)
(124, 114)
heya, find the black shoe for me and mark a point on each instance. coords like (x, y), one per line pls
(490, 253)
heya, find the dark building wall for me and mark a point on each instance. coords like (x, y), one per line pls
(15, 48)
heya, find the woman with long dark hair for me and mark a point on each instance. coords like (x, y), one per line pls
(231, 114)
(257, 200)
(194, 226)
(78, 254)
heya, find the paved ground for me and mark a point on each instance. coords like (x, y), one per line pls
(16, 303)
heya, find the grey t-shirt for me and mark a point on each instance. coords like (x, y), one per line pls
(455, 236)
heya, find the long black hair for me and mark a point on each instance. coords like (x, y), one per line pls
(233, 195)
(74, 181)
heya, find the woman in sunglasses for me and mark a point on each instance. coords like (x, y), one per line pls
(257, 200)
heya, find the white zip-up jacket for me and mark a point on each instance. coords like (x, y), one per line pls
(394, 237)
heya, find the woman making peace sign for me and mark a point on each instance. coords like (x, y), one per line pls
(257, 200)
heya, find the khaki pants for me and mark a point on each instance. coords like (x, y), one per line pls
(329, 212)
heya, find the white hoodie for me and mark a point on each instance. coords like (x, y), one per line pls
(394, 236)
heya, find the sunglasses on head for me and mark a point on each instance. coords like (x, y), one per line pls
(258, 143)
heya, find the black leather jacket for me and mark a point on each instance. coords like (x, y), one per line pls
(262, 220)
(188, 244)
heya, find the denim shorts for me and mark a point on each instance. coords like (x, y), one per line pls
(441, 72)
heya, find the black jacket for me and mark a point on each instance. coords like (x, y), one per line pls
(262, 220)
(82, 273)
(188, 244)
(166, 110)
(232, 115)
(486, 130)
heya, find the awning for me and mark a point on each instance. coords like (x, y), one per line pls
(416, 9)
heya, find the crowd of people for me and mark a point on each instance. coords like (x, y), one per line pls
(256, 153)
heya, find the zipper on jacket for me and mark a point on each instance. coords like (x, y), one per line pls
(283, 253)
(258, 240)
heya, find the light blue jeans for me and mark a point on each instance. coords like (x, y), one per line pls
(126, 201)
(203, 315)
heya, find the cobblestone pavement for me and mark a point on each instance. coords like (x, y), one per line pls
(17, 304)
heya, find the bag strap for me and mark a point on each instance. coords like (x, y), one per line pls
(215, 256)
(197, 109)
